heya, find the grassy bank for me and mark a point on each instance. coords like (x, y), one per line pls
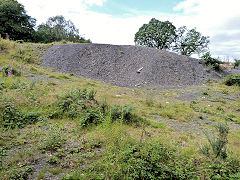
(60, 126)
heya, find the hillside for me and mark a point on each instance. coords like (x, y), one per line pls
(128, 66)
(57, 125)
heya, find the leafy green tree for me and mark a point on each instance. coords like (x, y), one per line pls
(15, 22)
(164, 35)
(189, 42)
(156, 34)
(58, 28)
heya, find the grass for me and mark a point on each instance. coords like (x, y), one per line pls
(110, 148)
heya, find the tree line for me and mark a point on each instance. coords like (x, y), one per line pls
(17, 25)
(164, 35)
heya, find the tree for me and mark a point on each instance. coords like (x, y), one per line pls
(156, 34)
(189, 42)
(15, 22)
(57, 29)
(164, 35)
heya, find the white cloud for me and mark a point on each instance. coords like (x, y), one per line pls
(214, 18)
(217, 18)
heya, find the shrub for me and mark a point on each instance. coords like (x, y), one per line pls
(54, 139)
(8, 69)
(212, 63)
(52, 160)
(31, 118)
(236, 63)
(20, 173)
(217, 145)
(25, 55)
(91, 117)
(148, 161)
(233, 79)
(11, 116)
(124, 113)
(4, 44)
(75, 102)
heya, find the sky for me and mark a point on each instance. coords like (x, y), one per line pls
(117, 21)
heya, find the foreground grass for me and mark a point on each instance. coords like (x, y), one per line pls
(52, 128)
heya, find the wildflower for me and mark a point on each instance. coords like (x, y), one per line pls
(20, 66)
(9, 73)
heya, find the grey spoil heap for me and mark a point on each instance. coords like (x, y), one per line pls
(124, 65)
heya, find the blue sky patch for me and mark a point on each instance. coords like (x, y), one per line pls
(133, 7)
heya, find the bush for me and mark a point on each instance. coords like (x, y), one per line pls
(91, 117)
(12, 118)
(6, 70)
(25, 55)
(122, 112)
(54, 139)
(212, 63)
(75, 102)
(31, 118)
(4, 44)
(217, 145)
(236, 63)
(233, 79)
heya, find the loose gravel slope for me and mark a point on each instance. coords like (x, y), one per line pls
(119, 65)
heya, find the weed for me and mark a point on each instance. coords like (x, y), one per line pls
(91, 117)
(236, 63)
(225, 92)
(4, 44)
(232, 80)
(53, 160)
(125, 114)
(11, 116)
(8, 70)
(217, 145)
(219, 108)
(54, 140)
(55, 171)
(20, 173)
(212, 63)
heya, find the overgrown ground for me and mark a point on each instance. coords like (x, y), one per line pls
(59, 126)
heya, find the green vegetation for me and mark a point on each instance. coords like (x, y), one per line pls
(18, 26)
(15, 23)
(232, 80)
(156, 34)
(66, 127)
(236, 63)
(58, 29)
(164, 35)
(211, 62)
